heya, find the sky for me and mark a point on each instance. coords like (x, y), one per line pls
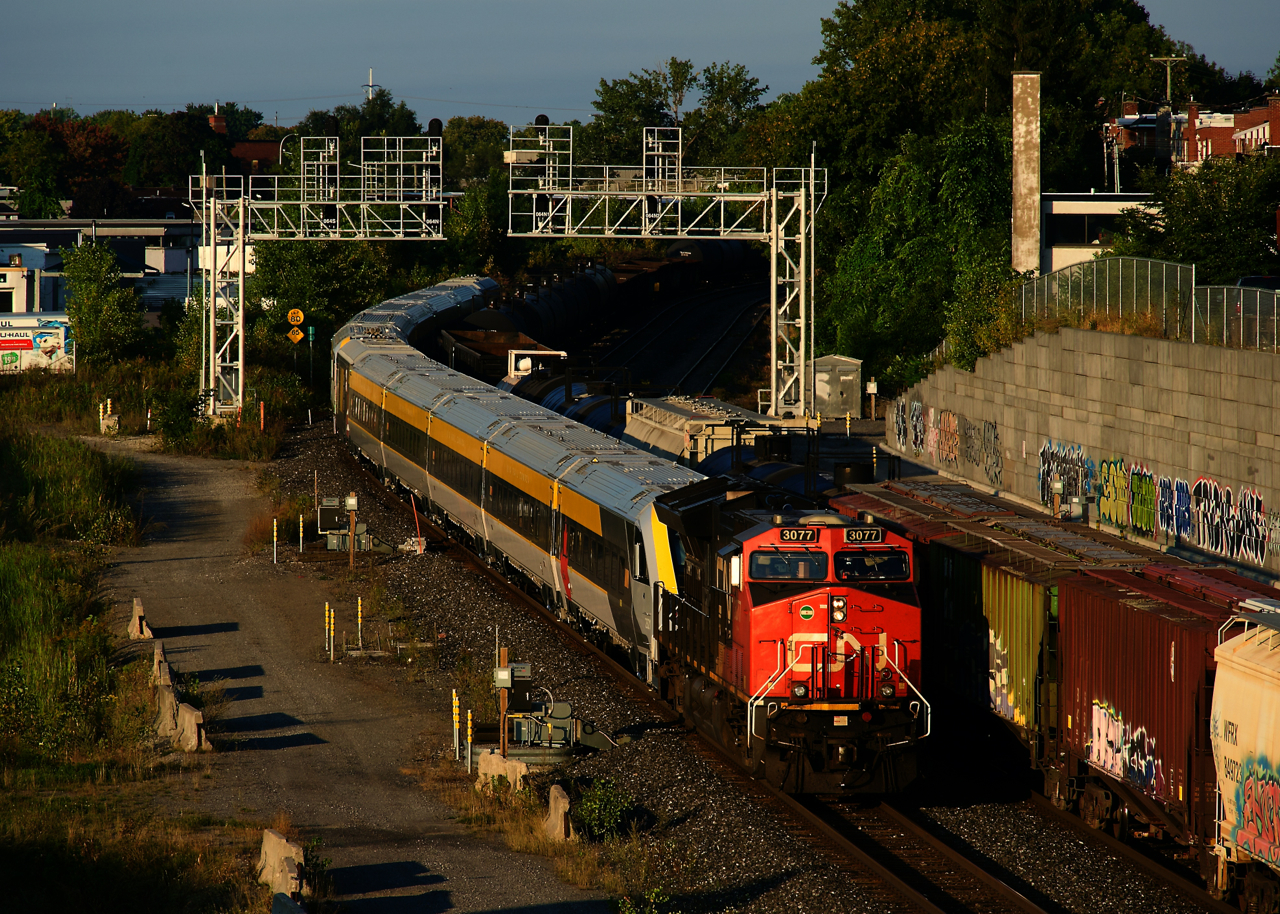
(506, 59)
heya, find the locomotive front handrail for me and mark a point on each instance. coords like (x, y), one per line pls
(928, 709)
(759, 696)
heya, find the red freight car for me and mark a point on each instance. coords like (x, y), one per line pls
(1137, 663)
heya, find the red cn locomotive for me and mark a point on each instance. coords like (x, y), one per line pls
(794, 639)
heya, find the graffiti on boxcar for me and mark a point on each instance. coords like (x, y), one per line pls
(1257, 826)
(1235, 527)
(1175, 506)
(900, 423)
(948, 438)
(1002, 696)
(1119, 748)
(917, 427)
(1069, 464)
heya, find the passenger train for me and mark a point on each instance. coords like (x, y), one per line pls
(810, 671)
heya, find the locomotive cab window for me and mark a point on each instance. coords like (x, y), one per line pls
(789, 565)
(872, 565)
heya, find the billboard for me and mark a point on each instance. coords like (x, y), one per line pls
(35, 341)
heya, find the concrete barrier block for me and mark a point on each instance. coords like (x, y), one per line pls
(165, 676)
(139, 630)
(558, 825)
(191, 736)
(166, 711)
(280, 864)
(492, 766)
(157, 658)
(109, 425)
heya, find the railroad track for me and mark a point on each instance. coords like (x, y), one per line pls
(679, 322)
(918, 874)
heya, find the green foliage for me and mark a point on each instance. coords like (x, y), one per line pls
(653, 901)
(61, 486)
(105, 320)
(728, 98)
(167, 150)
(1222, 218)
(473, 148)
(936, 237)
(602, 809)
(240, 121)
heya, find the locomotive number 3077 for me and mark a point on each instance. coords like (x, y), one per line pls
(798, 535)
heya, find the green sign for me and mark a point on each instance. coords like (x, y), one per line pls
(806, 613)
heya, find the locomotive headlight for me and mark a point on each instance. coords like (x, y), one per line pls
(799, 690)
(838, 611)
(886, 690)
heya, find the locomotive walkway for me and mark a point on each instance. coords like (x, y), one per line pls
(324, 745)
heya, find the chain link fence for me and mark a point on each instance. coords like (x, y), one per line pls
(1115, 288)
(1239, 318)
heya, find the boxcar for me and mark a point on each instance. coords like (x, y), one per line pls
(1137, 680)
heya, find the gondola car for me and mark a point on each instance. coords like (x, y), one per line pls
(573, 511)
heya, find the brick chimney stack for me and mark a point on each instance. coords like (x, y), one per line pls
(218, 122)
(1193, 145)
(1273, 120)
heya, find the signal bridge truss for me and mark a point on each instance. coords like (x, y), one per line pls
(551, 197)
(392, 193)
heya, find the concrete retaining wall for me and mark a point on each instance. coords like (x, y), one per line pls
(1176, 441)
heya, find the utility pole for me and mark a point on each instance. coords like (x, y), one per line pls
(1168, 75)
(370, 86)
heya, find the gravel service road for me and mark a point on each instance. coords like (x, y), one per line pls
(323, 745)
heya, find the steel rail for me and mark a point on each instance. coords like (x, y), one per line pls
(720, 339)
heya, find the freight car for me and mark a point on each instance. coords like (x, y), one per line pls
(574, 513)
(1099, 655)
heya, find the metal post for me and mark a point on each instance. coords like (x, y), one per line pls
(360, 625)
(326, 626)
(299, 534)
(275, 541)
(332, 629)
(457, 711)
(469, 741)
(774, 228)
(351, 539)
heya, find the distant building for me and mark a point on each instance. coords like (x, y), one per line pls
(1190, 138)
(1076, 227)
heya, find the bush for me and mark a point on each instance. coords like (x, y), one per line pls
(602, 809)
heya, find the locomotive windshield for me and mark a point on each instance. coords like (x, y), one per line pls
(874, 565)
(788, 565)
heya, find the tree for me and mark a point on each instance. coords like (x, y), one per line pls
(103, 307)
(376, 116)
(168, 150)
(936, 237)
(240, 121)
(1273, 75)
(473, 147)
(1221, 218)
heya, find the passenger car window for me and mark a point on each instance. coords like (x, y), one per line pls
(789, 565)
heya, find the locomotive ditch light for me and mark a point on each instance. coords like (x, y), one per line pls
(886, 690)
(799, 690)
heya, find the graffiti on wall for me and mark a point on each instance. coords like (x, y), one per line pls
(1119, 748)
(1070, 464)
(1113, 492)
(1257, 826)
(1174, 514)
(949, 438)
(1237, 528)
